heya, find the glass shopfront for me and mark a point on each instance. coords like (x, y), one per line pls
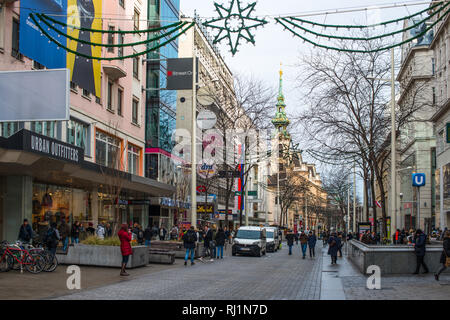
(56, 203)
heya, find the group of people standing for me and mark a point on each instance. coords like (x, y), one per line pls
(306, 240)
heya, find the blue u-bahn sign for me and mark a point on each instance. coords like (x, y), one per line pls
(418, 179)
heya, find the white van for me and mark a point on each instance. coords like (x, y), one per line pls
(250, 240)
(272, 239)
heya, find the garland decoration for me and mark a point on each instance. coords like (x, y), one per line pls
(291, 24)
(235, 23)
(182, 27)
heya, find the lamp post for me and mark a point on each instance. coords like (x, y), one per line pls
(393, 196)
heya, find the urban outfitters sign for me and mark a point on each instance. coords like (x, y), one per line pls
(54, 148)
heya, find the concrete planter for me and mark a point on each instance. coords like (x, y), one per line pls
(392, 259)
(103, 256)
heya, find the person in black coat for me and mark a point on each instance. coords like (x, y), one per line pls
(189, 239)
(148, 234)
(220, 242)
(334, 244)
(444, 255)
(419, 249)
(25, 232)
(290, 240)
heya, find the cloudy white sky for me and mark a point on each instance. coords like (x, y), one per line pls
(274, 45)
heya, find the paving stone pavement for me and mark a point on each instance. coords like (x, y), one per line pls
(276, 276)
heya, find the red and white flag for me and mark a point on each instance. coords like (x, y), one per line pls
(378, 203)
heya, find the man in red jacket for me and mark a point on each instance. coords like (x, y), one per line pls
(125, 247)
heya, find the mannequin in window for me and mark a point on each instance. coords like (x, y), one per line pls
(47, 200)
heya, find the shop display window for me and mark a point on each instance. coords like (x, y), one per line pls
(56, 203)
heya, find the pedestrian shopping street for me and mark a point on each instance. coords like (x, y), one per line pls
(276, 276)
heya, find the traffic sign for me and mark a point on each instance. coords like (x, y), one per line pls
(418, 179)
(201, 189)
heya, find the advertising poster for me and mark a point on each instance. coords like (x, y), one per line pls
(86, 73)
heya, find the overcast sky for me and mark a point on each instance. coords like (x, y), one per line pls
(274, 45)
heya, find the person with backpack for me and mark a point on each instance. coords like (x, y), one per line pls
(334, 243)
(148, 233)
(52, 238)
(125, 247)
(189, 240)
(220, 242)
(207, 238)
(25, 232)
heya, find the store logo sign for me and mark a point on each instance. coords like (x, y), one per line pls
(54, 148)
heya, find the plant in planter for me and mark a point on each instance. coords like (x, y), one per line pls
(112, 241)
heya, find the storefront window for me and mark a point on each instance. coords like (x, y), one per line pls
(77, 134)
(133, 159)
(107, 151)
(56, 203)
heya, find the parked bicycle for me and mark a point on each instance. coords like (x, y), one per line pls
(15, 256)
(51, 262)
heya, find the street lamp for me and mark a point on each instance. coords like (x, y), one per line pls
(393, 145)
(400, 220)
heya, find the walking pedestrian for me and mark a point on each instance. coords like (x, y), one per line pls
(220, 242)
(445, 255)
(64, 232)
(227, 234)
(334, 243)
(125, 247)
(312, 244)
(75, 232)
(341, 243)
(290, 240)
(148, 233)
(419, 249)
(207, 238)
(189, 239)
(25, 232)
(51, 238)
(174, 233)
(90, 229)
(304, 243)
(296, 235)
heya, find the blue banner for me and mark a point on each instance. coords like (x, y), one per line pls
(35, 45)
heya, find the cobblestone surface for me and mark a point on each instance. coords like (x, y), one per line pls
(276, 276)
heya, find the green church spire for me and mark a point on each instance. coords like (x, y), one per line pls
(281, 121)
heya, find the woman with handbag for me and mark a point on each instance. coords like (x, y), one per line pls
(445, 256)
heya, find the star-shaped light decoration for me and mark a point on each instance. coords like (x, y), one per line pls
(234, 23)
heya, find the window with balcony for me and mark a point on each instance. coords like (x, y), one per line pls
(133, 159)
(86, 94)
(110, 39)
(119, 101)
(135, 111)
(120, 40)
(109, 96)
(73, 86)
(37, 65)
(107, 150)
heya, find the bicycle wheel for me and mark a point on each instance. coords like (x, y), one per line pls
(6, 262)
(35, 263)
(51, 262)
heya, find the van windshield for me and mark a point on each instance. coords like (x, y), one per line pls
(269, 234)
(248, 234)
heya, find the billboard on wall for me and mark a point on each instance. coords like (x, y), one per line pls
(86, 73)
(38, 95)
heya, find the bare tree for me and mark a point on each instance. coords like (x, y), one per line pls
(347, 119)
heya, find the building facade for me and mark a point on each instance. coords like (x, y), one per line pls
(107, 129)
